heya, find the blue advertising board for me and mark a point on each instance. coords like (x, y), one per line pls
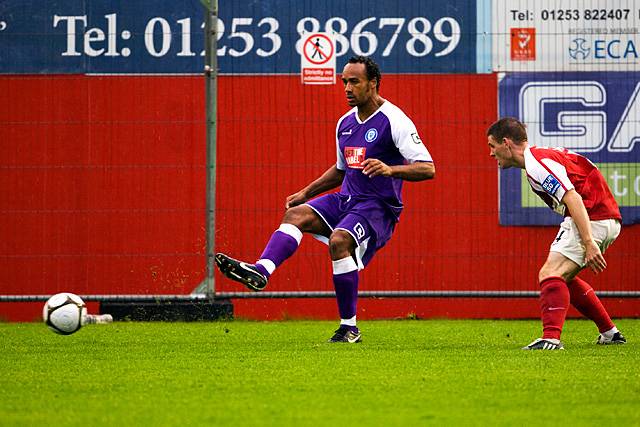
(594, 114)
(259, 37)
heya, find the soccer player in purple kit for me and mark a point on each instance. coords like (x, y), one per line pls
(378, 148)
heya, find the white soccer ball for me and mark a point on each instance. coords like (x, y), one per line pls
(63, 313)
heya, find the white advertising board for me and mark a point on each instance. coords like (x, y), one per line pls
(566, 35)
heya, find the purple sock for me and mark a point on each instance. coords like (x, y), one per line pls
(262, 269)
(282, 244)
(346, 286)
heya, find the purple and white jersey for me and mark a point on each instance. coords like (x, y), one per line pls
(387, 135)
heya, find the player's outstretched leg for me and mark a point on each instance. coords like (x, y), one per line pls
(282, 244)
(585, 300)
(247, 274)
(345, 281)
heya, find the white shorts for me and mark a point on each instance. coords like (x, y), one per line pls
(569, 243)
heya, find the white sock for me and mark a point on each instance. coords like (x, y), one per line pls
(291, 230)
(610, 333)
(267, 264)
(344, 265)
(348, 322)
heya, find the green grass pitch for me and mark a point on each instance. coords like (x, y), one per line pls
(240, 373)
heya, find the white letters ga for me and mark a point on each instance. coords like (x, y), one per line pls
(583, 131)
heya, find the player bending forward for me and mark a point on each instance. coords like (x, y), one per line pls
(573, 186)
(378, 148)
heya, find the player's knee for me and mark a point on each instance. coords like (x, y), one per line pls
(547, 272)
(341, 244)
(298, 216)
(542, 275)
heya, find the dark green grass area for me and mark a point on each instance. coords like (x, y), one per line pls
(405, 373)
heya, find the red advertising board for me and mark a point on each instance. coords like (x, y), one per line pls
(104, 184)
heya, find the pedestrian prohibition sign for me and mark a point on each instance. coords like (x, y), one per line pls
(318, 59)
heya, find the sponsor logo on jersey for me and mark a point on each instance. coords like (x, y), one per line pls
(416, 138)
(359, 230)
(551, 184)
(354, 156)
(371, 135)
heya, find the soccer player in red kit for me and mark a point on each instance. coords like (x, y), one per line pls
(574, 187)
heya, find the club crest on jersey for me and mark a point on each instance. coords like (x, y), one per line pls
(551, 184)
(354, 156)
(371, 135)
(359, 230)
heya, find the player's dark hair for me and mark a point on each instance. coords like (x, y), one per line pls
(508, 127)
(373, 70)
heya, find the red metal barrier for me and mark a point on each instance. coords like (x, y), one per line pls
(103, 193)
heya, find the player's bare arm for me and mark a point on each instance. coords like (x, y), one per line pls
(330, 179)
(418, 171)
(593, 256)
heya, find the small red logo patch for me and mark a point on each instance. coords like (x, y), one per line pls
(523, 44)
(354, 156)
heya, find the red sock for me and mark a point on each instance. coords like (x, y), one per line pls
(587, 302)
(554, 301)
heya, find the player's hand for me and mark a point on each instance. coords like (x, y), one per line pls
(374, 167)
(593, 257)
(295, 199)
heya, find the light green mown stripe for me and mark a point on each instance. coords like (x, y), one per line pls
(623, 180)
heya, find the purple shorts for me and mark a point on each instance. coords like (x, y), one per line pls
(367, 220)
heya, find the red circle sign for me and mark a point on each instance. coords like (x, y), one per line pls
(318, 49)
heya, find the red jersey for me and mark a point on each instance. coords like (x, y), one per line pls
(554, 171)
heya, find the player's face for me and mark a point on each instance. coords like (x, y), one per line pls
(358, 89)
(501, 152)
